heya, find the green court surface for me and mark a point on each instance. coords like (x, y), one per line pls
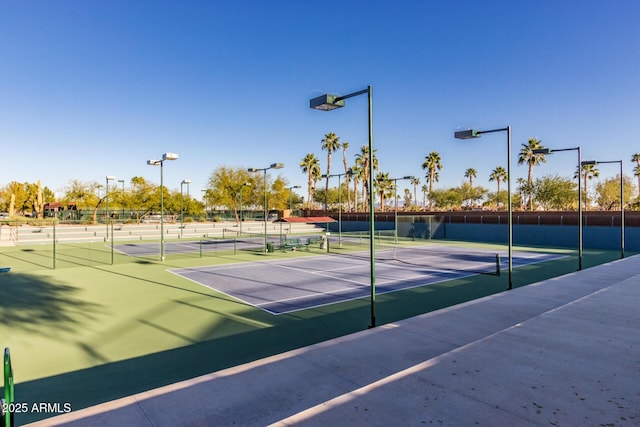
(90, 331)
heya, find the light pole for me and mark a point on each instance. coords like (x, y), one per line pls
(245, 184)
(165, 157)
(549, 151)
(291, 198)
(471, 133)
(205, 200)
(593, 162)
(106, 201)
(184, 181)
(121, 181)
(273, 166)
(395, 196)
(339, 175)
(328, 102)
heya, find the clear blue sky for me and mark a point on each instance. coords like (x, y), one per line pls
(95, 88)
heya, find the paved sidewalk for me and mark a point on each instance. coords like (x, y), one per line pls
(565, 351)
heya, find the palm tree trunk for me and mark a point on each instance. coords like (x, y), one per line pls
(586, 197)
(431, 174)
(355, 195)
(530, 182)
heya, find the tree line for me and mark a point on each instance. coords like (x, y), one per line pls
(237, 189)
(549, 192)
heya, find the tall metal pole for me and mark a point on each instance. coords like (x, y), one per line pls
(241, 188)
(340, 211)
(106, 202)
(181, 210)
(265, 209)
(330, 102)
(122, 181)
(395, 215)
(372, 249)
(621, 212)
(161, 212)
(510, 208)
(579, 208)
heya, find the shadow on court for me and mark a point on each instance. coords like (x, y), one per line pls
(45, 307)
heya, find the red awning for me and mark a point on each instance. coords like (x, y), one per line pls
(308, 219)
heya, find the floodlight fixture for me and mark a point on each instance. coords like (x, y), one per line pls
(466, 134)
(169, 156)
(326, 102)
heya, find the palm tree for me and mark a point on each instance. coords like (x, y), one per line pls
(415, 182)
(384, 185)
(588, 171)
(424, 189)
(356, 175)
(347, 177)
(432, 163)
(636, 170)
(362, 162)
(311, 166)
(523, 188)
(331, 143)
(527, 156)
(470, 173)
(498, 174)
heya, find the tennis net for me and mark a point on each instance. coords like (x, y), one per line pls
(389, 249)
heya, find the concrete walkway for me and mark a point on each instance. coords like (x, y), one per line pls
(561, 352)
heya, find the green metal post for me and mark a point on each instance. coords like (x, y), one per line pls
(265, 211)
(112, 244)
(621, 212)
(372, 246)
(161, 212)
(54, 245)
(510, 219)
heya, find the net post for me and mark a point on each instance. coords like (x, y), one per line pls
(200, 248)
(497, 264)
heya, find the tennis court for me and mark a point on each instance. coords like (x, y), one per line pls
(287, 285)
(254, 241)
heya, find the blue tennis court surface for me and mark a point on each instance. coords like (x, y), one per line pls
(141, 249)
(284, 286)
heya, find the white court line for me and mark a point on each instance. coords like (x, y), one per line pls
(314, 295)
